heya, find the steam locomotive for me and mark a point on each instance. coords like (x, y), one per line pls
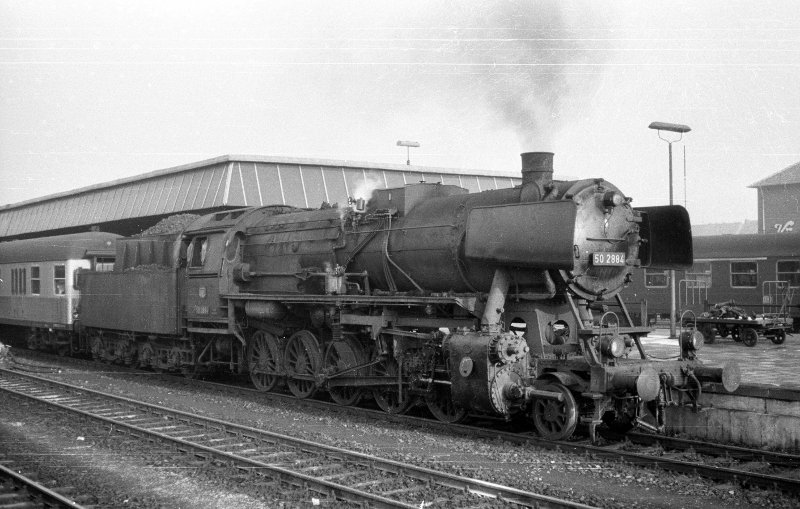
(504, 302)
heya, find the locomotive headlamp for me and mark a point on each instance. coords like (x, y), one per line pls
(692, 340)
(612, 199)
(612, 346)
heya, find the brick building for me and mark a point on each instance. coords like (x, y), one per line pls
(779, 201)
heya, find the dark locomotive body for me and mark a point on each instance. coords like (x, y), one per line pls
(502, 302)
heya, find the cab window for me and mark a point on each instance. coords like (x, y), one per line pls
(196, 253)
(104, 264)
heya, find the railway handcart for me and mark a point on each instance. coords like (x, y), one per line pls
(745, 330)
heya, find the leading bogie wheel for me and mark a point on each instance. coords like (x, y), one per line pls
(263, 360)
(339, 356)
(779, 336)
(555, 420)
(303, 362)
(749, 337)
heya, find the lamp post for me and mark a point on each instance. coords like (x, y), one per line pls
(408, 145)
(679, 129)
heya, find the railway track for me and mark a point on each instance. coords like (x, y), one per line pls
(653, 457)
(23, 491)
(330, 471)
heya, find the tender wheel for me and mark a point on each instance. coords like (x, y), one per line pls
(343, 355)
(263, 359)
(555, 420)
(303, 362)
(779, 337)
(98, 349)
(736, 334)
(441, 406)
(749, 337)
(146, 356)
(387, 396)
(708, 333)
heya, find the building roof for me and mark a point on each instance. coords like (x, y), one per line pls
(129, 205)
(788, 175)
(704, 230)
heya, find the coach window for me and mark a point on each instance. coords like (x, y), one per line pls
(655, 278)
(744, 274)
(789, 270)
(701, 273)
(36, 283)
(59, 279)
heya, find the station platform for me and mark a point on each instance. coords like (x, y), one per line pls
(765, 364)
(764, 412)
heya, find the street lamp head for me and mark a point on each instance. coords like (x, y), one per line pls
(401, 143)
(666, 126)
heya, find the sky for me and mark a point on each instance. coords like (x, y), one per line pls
(92, 91)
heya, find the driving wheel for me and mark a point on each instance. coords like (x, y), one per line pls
(263, 360)
(441, 406)
(342, 355)
(387, 396)
(303, 361)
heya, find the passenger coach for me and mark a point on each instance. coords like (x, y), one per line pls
(760, 273)
(38, 293)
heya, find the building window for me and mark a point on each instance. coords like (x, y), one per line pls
(789, 270)
(36, 283)
(59, 279)
(655, 278)
(744, 274)
(701, 274)
(104, 264)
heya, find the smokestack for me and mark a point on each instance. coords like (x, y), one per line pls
(537, 173)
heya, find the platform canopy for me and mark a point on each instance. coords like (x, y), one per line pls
(130, 205)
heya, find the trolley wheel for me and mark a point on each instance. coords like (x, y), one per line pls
(779, 337)
(555, 420)
(723, 331)
(736, 334)
(440, 404)
(303, 362)
(263, 360)
(708, 333)
(749, 336)
(342, 355)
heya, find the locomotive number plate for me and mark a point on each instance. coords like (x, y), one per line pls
(609, 259)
